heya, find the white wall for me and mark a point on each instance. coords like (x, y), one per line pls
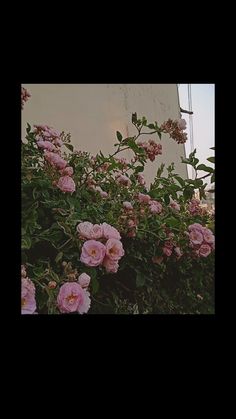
(92, 113)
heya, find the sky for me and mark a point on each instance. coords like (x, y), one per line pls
(203, 106)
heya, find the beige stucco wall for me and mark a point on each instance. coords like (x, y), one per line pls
(92, 113)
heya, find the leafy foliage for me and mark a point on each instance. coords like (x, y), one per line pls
(51, 246)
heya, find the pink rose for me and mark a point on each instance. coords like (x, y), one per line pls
(103, 194)
(131, 223)
(41, 127)
(110, 232)
(127, 205)
(53, 132)
(114, 249)
(143, 198)
(204, 250)
(55, 160)
(169, 244)
(97, 231)
(174, 205)
(178, 252)
(208, 235)
(195, 226)
(45, 145)
(28, 303)
(90, 231)
(57, 142)
(93, 253)
(66, 184)
(23, 271)
(110, 265)
(72, 297)
(85, 229)
(84, 280)
(123, 180)
(141, 179)
(155, 207)
(182, 124)
(167, 251)
(196, 237)
(67, 171)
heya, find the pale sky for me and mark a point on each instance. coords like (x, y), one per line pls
(203, 106)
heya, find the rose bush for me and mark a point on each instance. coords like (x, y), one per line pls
(95, 239)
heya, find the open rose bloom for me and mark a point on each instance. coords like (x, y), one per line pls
(73, 298)
(93, 253)
(28, 302)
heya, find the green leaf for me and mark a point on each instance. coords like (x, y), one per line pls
(26, 243)
(139, 169)
(58, 257)
(195, 162)
(160, 170)
(69, 146)
(140, 280)
(144, 121)
(28, 129)
(54, 276)
(151, 126)
(202, 193)
(38, 271)
(35, 193)
(171, 221)
(119, 136)
(94, 284)
(205, 168)
(213, 178)
(134, 117)
(185, 160)
(188, 192)
(180, 180)
(191, 155)
(167, 199)
(195, 182)
(211, 159)
(131, 143)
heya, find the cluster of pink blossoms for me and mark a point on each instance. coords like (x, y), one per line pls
(50, 142)
(24, 96)
(175, 130)
(202, 240)
(170, 246)
(122, 179)
(74, 296)
(122, 161)
(140, 179)
(128, 220)
(98, 189)
(102, 245)
(194, 207)
(28, 302)
(155, 207)
(151, 148)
